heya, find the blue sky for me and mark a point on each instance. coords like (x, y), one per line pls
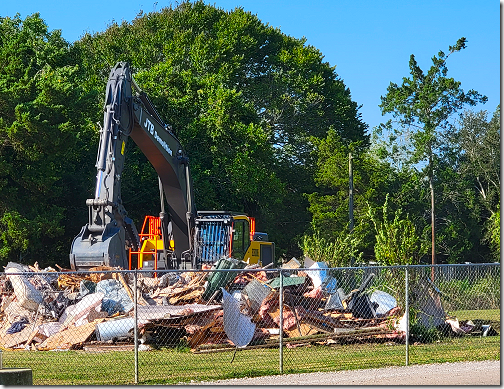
(369, 41)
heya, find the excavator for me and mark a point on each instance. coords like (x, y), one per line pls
(181, 237)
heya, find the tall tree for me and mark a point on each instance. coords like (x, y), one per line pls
(422, 106)
(44, 134)
(244, 99)
(476, 143)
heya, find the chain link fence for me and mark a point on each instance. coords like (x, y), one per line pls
(109, 326)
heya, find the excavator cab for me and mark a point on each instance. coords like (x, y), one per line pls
(227, 234)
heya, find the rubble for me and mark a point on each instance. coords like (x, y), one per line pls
(42, 309)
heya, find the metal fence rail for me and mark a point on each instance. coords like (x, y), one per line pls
(110, 326)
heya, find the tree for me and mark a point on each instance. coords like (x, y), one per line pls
(336, 252)
(243, 98)
(329, 203)
(494, 233)
(44, 134)
(397, 241)
(422, 106)
(477, 143)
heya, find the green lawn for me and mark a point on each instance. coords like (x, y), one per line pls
(169, 366)
(490, 316)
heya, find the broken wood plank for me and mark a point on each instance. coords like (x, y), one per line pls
(16, 339)
(304, 329)
(120, 278)
(69, 337)
(228, 347)
(103, 348)
(199, 336)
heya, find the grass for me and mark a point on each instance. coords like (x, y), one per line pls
(492, 316)
(171, 366)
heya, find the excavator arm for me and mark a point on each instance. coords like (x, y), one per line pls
(128, 112)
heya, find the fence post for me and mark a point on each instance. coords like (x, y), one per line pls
(281, 323)
(135, 331)
(406, 298)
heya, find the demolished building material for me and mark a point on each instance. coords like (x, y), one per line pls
(67, 310)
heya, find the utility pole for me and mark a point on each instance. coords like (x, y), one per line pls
(433, 215)
(350, 195)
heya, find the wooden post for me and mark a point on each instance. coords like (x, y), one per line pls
(433, 223)
(406, 287)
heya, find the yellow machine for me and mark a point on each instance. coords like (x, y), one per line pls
(217, 235)
(247, 244)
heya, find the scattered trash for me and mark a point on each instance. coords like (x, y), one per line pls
(319, 275)
(17, 326)
(114, 329)
(27, 296)
(427, 299)
(292, 264)
(115, 297)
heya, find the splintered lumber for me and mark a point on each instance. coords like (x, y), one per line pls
(321, 325)
(140, 299)
(170, 312)
(35, 333)
(187, 295)
(104, 348)
(303, 329)
(71, 281)
(97, 277)
(223, 347)
(213, 331)
(119, 276)
(36, 336)
(197, 279)
(35, 268)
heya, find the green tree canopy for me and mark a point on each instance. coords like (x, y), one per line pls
(243, 98)
(422, 107)
(329, 203)
(477, 144)
(44, 135)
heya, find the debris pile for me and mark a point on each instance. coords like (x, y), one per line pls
(42, 309)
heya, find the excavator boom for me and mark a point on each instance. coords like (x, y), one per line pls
(128, 112)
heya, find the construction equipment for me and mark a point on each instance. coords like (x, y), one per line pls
(217, 235)
(180, 237)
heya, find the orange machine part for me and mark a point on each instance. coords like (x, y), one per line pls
(252, 227)
(153, 226)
